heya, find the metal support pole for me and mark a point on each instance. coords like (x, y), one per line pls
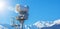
(21, 24)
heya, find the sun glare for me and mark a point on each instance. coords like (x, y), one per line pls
(2, 5)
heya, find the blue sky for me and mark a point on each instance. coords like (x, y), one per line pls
(46, 10)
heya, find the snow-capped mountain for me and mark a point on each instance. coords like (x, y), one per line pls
(48, 24)
(38, 25)
(56, 26)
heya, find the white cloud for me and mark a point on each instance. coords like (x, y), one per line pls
(11, 8)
